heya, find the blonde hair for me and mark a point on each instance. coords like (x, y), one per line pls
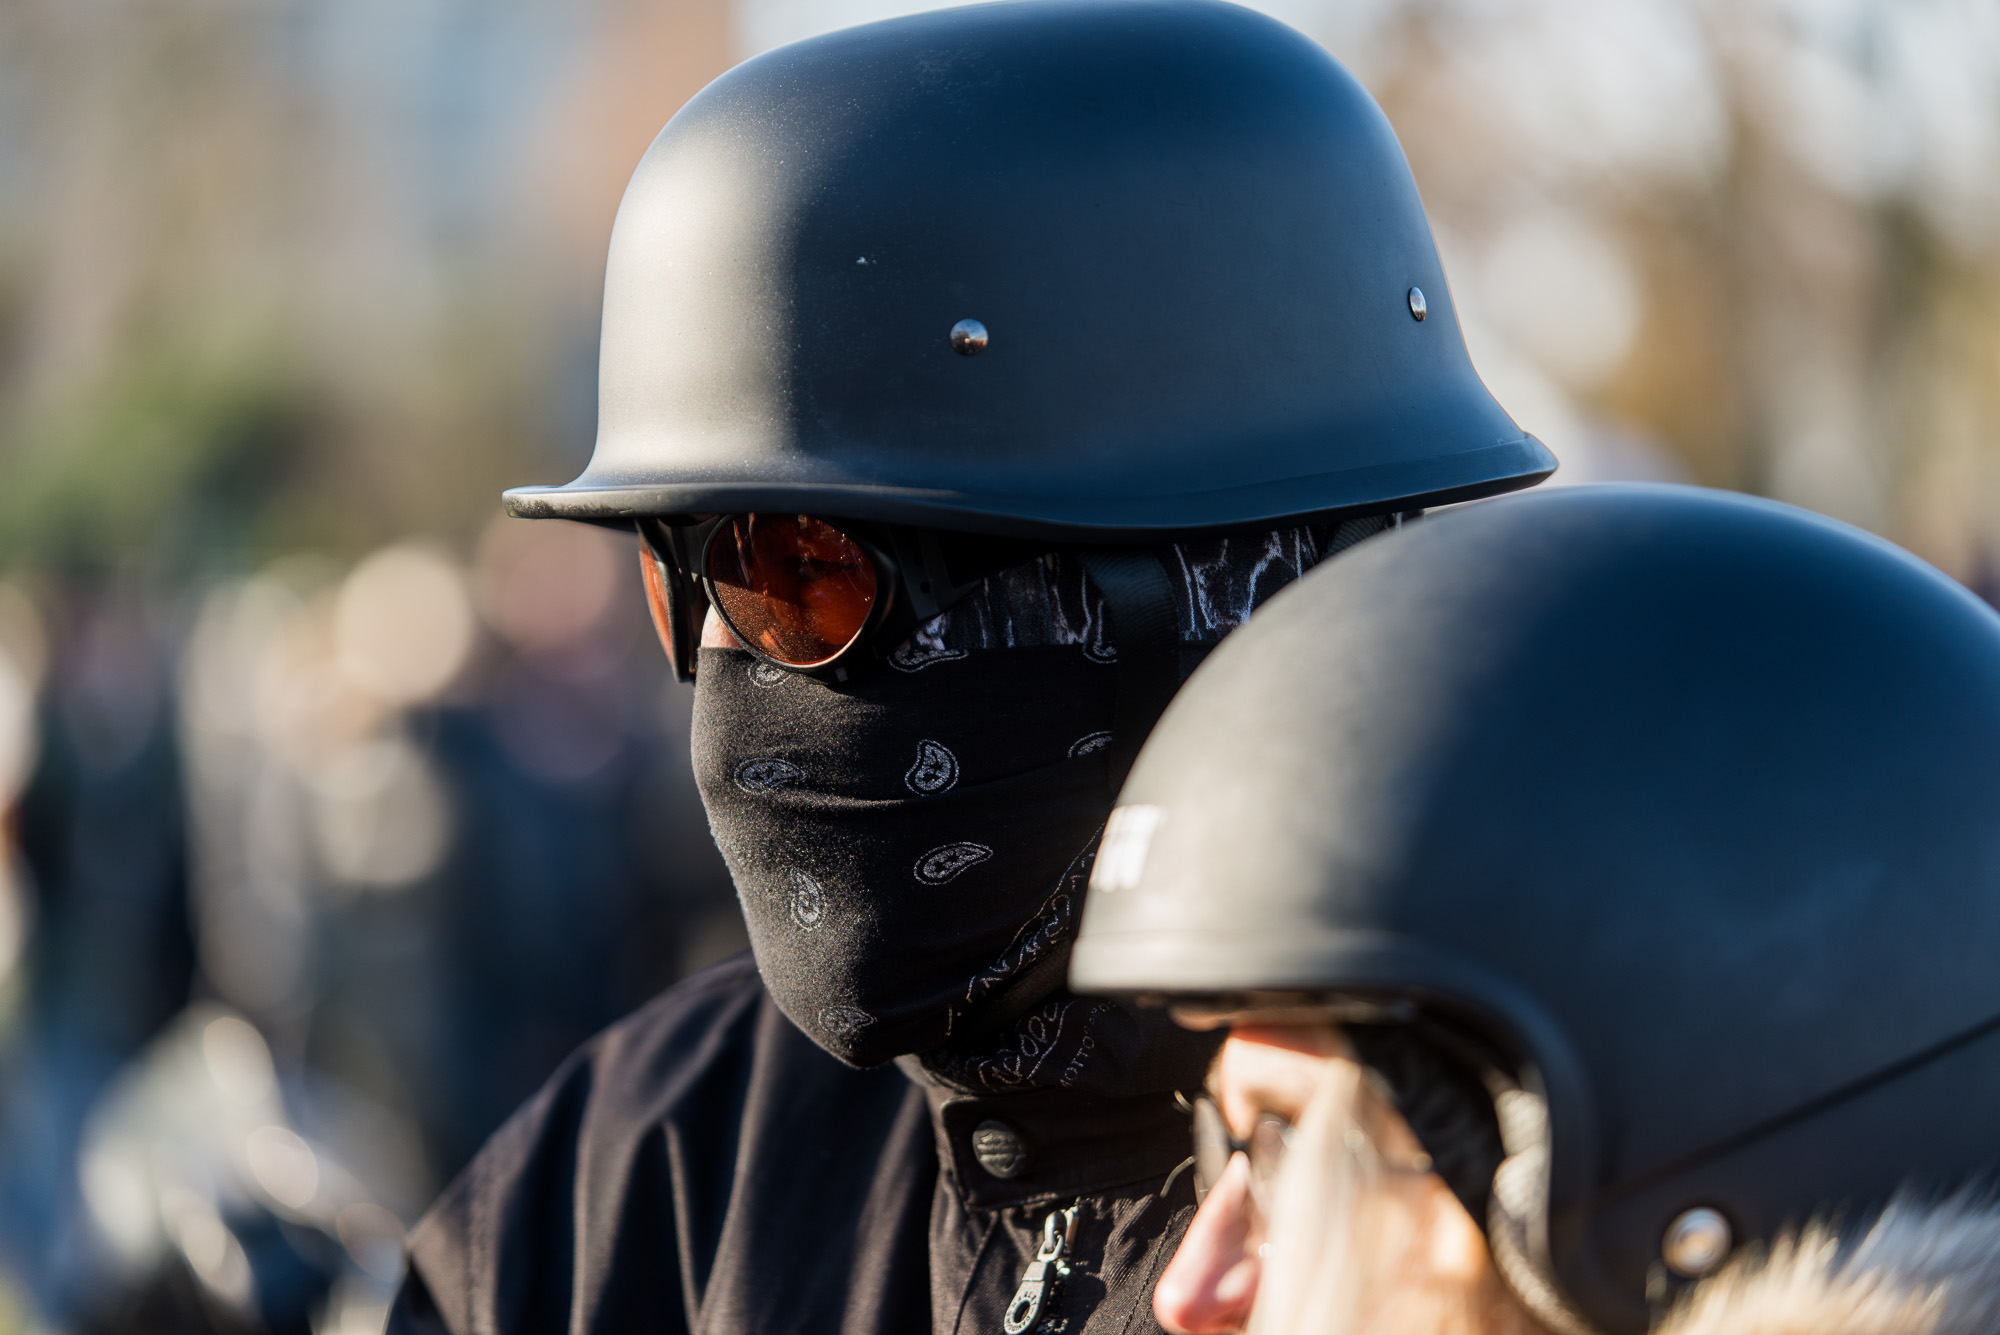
(1343, 1234)
(1318, 1277)
(1343, 1238)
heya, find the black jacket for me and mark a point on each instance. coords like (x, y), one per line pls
(703, 1167)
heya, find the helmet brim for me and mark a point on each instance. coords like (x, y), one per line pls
(1404, 485)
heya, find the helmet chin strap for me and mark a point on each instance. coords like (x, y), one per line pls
(1139, 603)
(1517, 1224)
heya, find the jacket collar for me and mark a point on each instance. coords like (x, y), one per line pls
(1052, 1144)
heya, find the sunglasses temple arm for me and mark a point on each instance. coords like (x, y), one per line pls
(687, 603)
(926, 578)
(694, 610)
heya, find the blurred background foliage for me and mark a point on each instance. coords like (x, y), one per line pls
(338, 809)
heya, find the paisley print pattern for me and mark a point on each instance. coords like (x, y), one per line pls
(845, 1021)
(943, 865)
(1089, 744)
(936, 769)
(760, 774)
(808, 902)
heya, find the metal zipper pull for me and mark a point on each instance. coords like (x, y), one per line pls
(1041, 1282)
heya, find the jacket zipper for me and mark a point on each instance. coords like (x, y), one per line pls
(1041, 1283)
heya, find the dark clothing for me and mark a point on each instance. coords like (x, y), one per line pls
(702, 1166)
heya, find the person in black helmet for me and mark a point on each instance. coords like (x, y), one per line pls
(1601, 889)
(967, 377)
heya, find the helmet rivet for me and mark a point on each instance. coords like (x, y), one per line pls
(1419, 308)
(968, 338)
(1696, 1243)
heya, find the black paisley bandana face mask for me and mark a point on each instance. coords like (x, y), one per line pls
(911, 847)
(889, 838)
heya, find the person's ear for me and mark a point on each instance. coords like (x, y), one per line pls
(1209, 1285)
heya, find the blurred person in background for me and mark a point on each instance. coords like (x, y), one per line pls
(95, 880)
(969, 376)
(300, 917)
(268, 885)
(1598, 890)
(436, 848)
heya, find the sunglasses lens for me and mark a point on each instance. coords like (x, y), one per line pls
(796, 587)
(1266, 1149)
(663, 599)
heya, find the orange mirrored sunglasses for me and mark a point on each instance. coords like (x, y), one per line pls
(801, 592)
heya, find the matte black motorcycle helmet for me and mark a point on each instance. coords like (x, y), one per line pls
(985, 281)
(1091, 270)
(1682, 807)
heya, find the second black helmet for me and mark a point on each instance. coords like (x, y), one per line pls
(1680, 807)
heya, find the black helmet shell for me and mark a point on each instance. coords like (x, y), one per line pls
(1190, 236)
(1689, 801)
